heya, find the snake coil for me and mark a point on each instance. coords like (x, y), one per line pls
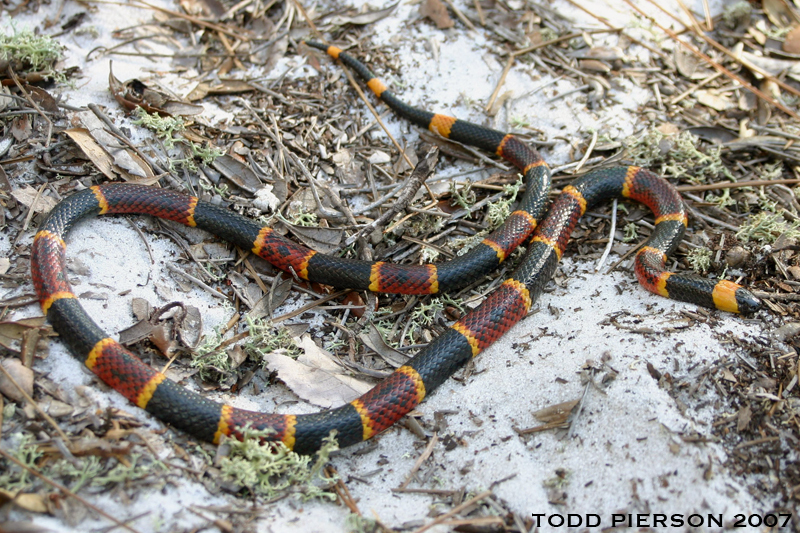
(403, 390)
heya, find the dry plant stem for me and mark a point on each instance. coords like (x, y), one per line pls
(421, 173)
(35, 405)
(693, 49)
(735, 185)
(588, 152)
(65, 490)
(454, 511)
(309, 306)
(342, 491)
(693, 21)
(194, 20)
(788, 297)
(634, 40)
(34, 105)
(421, 459)
(468, 23)
(200, 283)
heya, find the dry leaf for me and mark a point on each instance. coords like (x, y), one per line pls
(237, 172)
(791, 45)
(93, 151)
(133, 93)
(29, 502)
(714, 101)
(21, 374)
(27, 196)
(557, 413)
(324, 240)
(314, 376)
(780, 13)
(437, 12)
(373, 339)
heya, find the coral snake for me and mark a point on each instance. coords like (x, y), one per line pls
(403, 390)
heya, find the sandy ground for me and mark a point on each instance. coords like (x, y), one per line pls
(623, 454)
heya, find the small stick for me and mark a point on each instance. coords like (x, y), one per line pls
(454, 511)
(422, 458)
(423, 169)
(735, 185)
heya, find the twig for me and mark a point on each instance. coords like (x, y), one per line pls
(610, 237)
(194, 20)
(423, 169)
(454, 511)
(421, 459)
(735, 185)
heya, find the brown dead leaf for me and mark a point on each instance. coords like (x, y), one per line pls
(220, 87)
(791, 45)
(314, 376)
(29, 502)
(12, 333)
(373, 339)
(22, 375)
(323, 240)
(437, 12)
(237, 172)
(713, 100)
(27, 196)
(556, 414)
(743, 418)
(93, 151)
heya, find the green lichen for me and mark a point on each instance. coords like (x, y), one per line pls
(631, 232)
(676, 156)
(699, 259)
(271, 469)
(463, 196)
(497, 212)
(167, 130)
(736, 13)
(27, 51)
(298, 216)
(765, 227)
(14, 478)
(265, 338)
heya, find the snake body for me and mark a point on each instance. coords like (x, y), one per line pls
(403, 390)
